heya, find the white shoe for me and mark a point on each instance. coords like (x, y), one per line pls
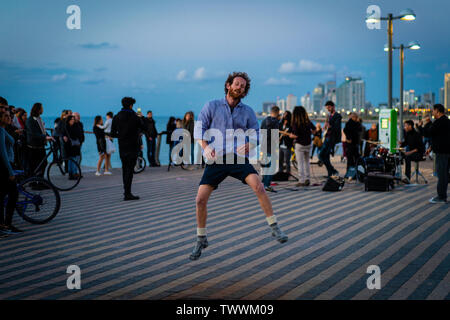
(98, 174)
(107, 173)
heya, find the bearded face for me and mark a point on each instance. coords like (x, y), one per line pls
(237, 89)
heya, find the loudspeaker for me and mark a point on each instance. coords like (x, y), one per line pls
(334, 184)
(375, 183)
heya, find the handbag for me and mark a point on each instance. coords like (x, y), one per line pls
(110, 148)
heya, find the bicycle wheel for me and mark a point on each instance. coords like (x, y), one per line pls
(38, 200)
(140, 165)
(60, 177)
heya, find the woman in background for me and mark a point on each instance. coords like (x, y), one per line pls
(317, 140)
(170, 127)
(73, 146)
(302, 128)
(101, 144)
(188, 124)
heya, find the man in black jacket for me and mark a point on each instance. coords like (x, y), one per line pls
(440, 145)
(150, 136)
(127, 126)
(352, 131)
(414, 145)
(332, 137)
(270, 123)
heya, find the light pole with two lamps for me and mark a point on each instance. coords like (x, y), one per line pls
(414, 45)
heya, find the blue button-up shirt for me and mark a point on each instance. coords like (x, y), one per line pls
(216, 117)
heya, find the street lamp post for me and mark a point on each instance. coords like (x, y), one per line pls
(414, 45)
(407, 15)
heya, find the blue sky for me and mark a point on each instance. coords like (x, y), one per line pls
(173, 56)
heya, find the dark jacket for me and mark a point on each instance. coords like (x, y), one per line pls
(413, 140)
(80, 130)
(440, 135)
(270, 123)
(35, 137)
(334, 129)
(151, 131)
(303, 133)
(426, 130)
(352, 131)
(73, 145)
(169, 129)
(127, 127)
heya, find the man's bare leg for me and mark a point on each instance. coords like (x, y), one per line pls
(255, 183)
(203, 194)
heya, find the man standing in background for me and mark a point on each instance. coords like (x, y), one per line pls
(332, 137)
(80, 132)
(150, 134)
(126, 126)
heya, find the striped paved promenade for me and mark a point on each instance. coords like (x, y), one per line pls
(139, 250)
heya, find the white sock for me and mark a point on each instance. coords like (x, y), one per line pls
(201, 232)
(271, 220)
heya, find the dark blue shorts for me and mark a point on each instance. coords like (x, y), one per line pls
(215, 173)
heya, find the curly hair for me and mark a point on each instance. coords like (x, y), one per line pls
(243, 75)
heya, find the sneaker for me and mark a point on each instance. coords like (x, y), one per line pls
(307, 183)
(437, 200)
(270, 189)
(278, 234)
(202, 243)
(107, 173)
(301, 184)
(98, 174)
(130, 197)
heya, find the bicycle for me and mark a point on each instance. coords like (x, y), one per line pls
(38, 201)
(58, 170)
(140, 164)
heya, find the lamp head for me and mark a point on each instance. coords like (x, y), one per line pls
(407, 15)
(414, 45)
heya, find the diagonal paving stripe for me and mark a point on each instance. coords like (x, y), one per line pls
(294, 273)
(408, 288)
(241, 268)
(164, 245)
(442, 290)
(356, 275)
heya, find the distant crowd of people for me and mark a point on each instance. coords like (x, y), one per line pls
(300, 134)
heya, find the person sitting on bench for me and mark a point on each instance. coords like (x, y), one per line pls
(414, 146)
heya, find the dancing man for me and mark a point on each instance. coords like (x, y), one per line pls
(221, 116)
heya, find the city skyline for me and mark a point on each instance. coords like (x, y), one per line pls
(174, 56)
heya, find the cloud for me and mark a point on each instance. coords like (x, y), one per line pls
(181, 75)
(305, 66)
(278, 82)
(200, 74)
(59, 77)
(97, 46)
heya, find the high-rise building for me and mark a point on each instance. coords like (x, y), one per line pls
(291, 102)
(318, 97)
(281, 103)
(428, 99)
(442, 96)
(267, 106)
(447, 91)
(409, 101)
(351, 94)
(306, 102)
